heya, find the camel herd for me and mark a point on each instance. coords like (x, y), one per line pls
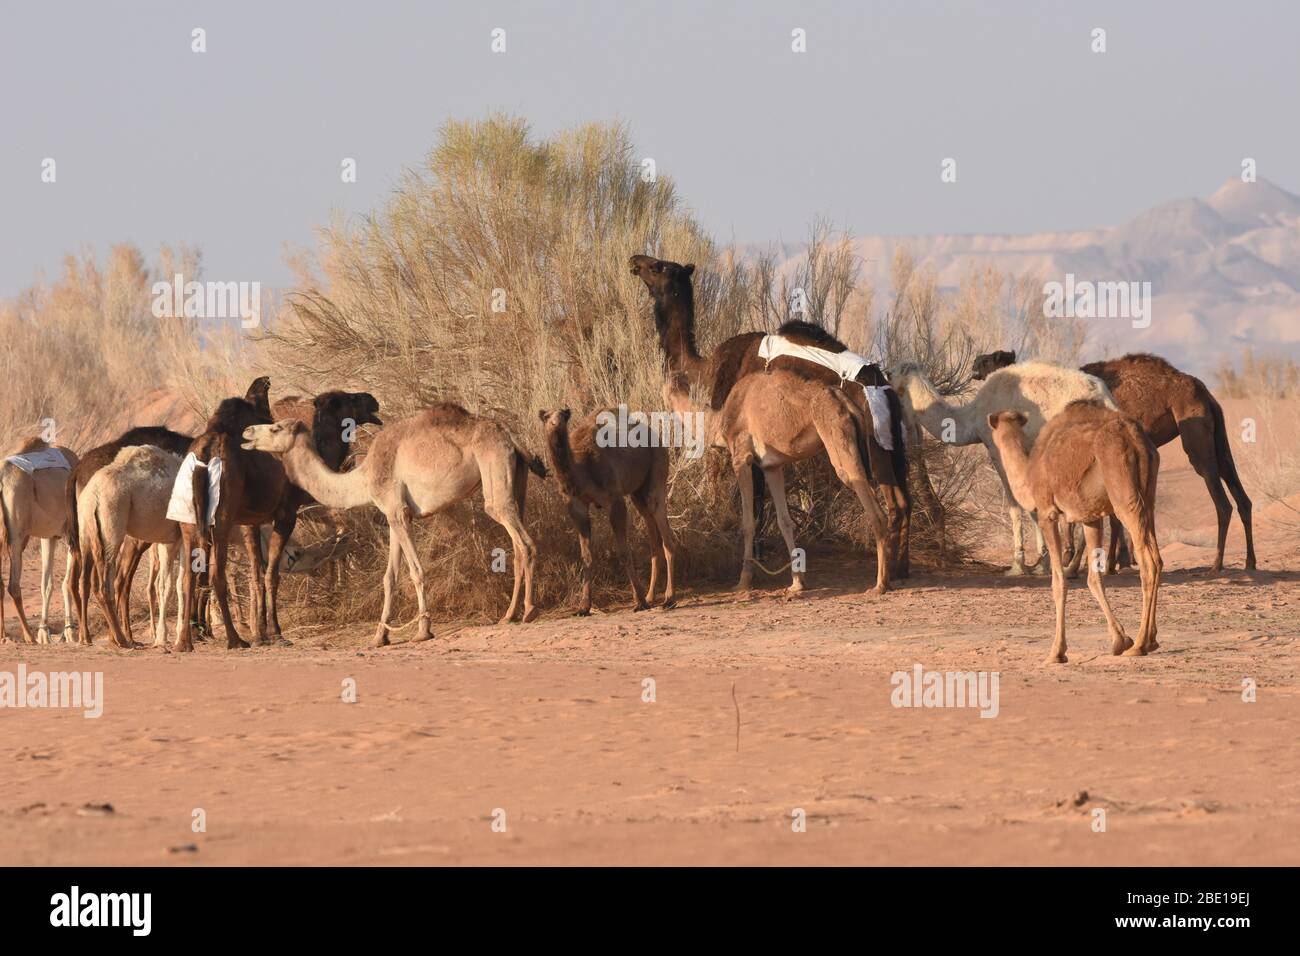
(1077, 445)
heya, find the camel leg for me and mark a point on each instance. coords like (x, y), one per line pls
(1039, 565)
(654, 545)
(131, 552)
(1015, 513)
(256, 593)
(1228, 472)
(281, 532)
(85, 574)
(836, 429)
(104, 594)
(580, 515)
(1093, 535)
(69, 602)
(618, 523)
(1198, 441)
(1077, 548)
(662, 544)
(189, 604)
(775, 478)
(16, 547)
(745, 477)
(47, 588)
(221, 586)
(1150, 566)
(898, 504)
(390, 580)
(1052, 532)
(401, 524)
(161, 560)
(503, 500)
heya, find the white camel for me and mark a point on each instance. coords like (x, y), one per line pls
(1040, 390)
(33, 504)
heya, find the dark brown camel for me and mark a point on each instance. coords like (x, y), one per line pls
(670, 287)
(254, 490)
(1168, 403)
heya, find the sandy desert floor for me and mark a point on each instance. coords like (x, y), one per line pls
(764, 704)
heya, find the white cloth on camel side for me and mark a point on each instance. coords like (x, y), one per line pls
(36, 460)
(846, 365)
(181, 505)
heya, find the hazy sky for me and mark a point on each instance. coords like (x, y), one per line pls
(238, 149)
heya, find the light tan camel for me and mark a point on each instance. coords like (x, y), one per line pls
(1089, 462)
(591, 474)
(34, 506)
(414, 468)
(773, 419)
(1038, 389)
(129, 496)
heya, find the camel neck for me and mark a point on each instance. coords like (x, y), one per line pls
(1010, 445)
(573, 479)
(675, 322)
(951, 424)
(332, 489)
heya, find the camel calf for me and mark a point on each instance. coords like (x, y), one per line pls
(592, 475)
(1088, 462)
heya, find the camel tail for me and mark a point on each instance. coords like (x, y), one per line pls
(199, 495)
(899, 454)
(532, 462)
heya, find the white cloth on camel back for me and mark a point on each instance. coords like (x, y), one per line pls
(180, 507)
(846, 365)
(36, 460)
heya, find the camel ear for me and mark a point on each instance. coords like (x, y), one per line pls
(689, 269)
(543, 414)
(993, 421)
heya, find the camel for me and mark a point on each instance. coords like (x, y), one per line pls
(670, 288)
(95, 459)
(1167, 402)
(34, 506)
(1038, 389)
(591, 474)
(415, 468)
(253, 491)
(773, 419)
(1088, 462)
(129, 496)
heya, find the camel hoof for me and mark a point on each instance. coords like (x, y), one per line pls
(1137, 650)
(381, 641)
(180, 648)
(237, 644)
(669, 603)
(795, 587)
(640, 606)
(42, 635)
(283, 642)
(530, 615)
(582, 612)
(1120, 645)
(1039, 570)
(1015, 571)
(742, 585)
(1058, 659)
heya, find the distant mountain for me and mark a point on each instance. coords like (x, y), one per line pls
(1224, 272)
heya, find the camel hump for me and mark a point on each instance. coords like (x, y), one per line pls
(811, 334)
(34, 443)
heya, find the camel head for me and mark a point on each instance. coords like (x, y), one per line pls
(361, 407)
(553, 421)
(662, 278)
(276, 438)
(259, 394)
(1011, 423)
(986, 365)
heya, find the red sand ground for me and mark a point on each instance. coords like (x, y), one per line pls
(546, 722)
